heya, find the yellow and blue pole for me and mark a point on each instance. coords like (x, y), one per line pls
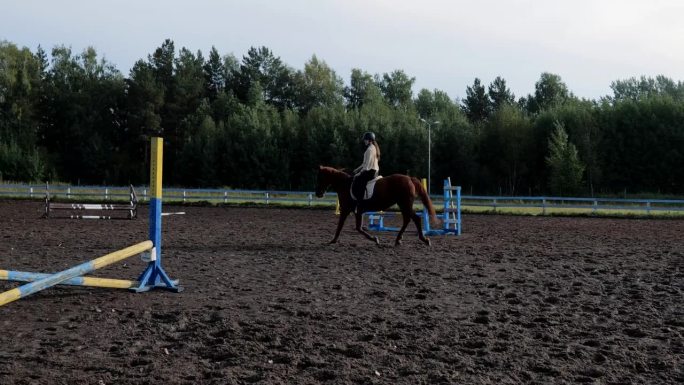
(76, 271)
(24, 276)
(154, 275)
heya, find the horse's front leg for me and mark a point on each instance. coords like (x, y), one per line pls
(343, 217)
(359, 217)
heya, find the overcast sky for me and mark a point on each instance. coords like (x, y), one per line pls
(444, 44)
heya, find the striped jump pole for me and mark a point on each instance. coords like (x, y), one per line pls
(154, 275)
(131, 207)
(76, 271)
(24, 276)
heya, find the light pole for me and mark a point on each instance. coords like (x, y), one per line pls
(429, 124)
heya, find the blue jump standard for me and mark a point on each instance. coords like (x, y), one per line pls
(154, 275)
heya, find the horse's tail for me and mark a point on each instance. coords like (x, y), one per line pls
(425, 198)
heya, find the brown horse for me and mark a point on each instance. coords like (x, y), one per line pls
(396, 189)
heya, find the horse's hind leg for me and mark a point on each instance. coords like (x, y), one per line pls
(359, 217)
(419, 226)
(406, 218)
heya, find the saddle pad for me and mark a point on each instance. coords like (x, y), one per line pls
(370, 186)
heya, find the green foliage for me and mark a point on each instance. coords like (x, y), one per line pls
(276, 79)
(20, 165)
(454, 144)
(397, 88)
(580, 121)
(642, 146)
(20, 87)
(566, 168)
(549, 92)
(499, 94)
(82, 116)
(199, 152)
(505, 149)
(318, 86)
(476, 105)
(361, 84)
(644, 87)
(257, 123)
(215, 74)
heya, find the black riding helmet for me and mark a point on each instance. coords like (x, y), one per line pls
(369, 136)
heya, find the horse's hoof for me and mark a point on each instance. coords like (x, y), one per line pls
(397, 242)
(377, 240)
(334, 241)
(427, 241)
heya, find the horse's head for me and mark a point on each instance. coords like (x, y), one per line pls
(322, 181)
(327, 177)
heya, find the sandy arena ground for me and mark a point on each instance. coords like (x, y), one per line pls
(515, 300)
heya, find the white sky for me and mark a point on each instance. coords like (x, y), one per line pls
(444, 44)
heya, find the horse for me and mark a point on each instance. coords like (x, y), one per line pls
(398, 189)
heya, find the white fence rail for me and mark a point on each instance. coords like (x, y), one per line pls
(549, 204)
(545, 205)
(109, 193)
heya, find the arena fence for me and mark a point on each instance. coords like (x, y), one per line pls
(470, 203)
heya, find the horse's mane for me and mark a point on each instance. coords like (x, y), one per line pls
(335, 171)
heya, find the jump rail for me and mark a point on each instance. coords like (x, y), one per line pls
(76, 271)
(24, 276)
(131, 208)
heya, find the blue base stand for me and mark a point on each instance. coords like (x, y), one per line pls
(154, 276)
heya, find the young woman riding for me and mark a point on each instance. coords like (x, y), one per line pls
(368, 170)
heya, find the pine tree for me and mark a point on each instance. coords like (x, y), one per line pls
(500, 94)
(566, 167)
(476, 105)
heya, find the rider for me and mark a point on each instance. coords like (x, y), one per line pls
(368, 170)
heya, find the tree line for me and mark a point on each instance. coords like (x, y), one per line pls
(256, 122)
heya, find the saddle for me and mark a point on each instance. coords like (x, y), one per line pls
(369, 189)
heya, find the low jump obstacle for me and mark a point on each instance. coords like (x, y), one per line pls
(152, 277)
(131, 208)
(451, 216)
